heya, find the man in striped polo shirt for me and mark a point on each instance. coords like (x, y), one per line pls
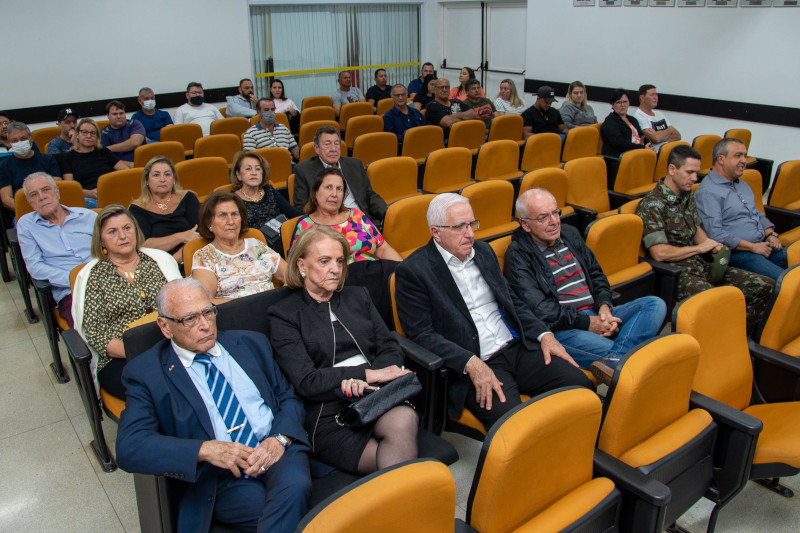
(553, 271)
(267, 133)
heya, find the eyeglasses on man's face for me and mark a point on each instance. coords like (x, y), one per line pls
(190, 321)
(541, 219)
(461, 228)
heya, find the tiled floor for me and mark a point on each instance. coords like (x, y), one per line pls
(50, 480)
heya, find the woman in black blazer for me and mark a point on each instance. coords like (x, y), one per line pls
(332, 345)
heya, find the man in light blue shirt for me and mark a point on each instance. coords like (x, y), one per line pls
(54, 239)
(727, 208)
(244, 103)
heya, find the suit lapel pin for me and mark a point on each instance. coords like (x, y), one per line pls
(171, 367)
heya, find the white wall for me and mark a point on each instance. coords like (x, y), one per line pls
(79, 50)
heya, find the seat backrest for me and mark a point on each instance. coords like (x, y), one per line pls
(780, 328)
(743, 134)
(447, 169)
(353, 109)
(650, 390)
(615, 241)
(553, 436)
(315, 101)
(383, 106)
(280, 164)
(580, 142)
(371, 147)
(186, 134)
(705, 144)
(71, 196)
(663, 156)
(119, 187)
(313, 114)
(405, 225)
(586, 183)
(636, 168)
(233, 125)
(752, 177)
(553, 180)
(793, 253)
(392, 289)
(716, 317)
(420, 495)
(101, 124)
(361, 125)
(506, 127)
(629, 208)
(467, 133)
(172, 150)
(420, 141)
(223, 111)
(393, 178)
(597, 126)
(195, 244)
(224, 145)
(542, 150)
(497, 160)
(42, 136)
(309, 129)
(287, 230)
(491, 203)
(785, 191)
(500, 246)
(203, 175)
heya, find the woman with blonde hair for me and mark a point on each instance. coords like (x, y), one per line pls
(166, 213)
(508, 101)
(575, 111)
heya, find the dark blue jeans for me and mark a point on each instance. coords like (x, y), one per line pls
(772, 266)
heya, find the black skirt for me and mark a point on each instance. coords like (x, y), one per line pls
(331, 443)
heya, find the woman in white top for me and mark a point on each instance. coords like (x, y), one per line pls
(282, 104)
(575, 111)
(231, 266)
(508, 101)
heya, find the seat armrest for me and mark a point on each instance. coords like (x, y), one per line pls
(41, 285)
(585, 212)
(774, 357)
(662, 268)
(784, 219)
(726, 415)
(628, 479)
(616, 199)
(76, 346)
(424, 358)
(11, 233)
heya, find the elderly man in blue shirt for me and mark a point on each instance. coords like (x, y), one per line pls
(728, 211)
(54, 238)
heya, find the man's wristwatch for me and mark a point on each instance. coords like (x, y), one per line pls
(280, 438)
(774, 234)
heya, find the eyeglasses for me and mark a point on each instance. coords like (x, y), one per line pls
(461, 228)
(190, 321)
(88, 133)
(622, 102)
(5, 123)
(541, 219)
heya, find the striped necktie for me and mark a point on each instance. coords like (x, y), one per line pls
(229, 407)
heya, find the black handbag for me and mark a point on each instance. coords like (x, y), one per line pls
(365, 411)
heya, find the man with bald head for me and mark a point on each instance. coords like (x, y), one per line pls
(213, 410)
(452, 299)
(558, 277)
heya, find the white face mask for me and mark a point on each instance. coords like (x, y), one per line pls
(149, 104)
(21, 148)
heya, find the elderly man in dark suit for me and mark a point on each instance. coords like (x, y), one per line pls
(214, 411)
(360, 195)
(453, 300)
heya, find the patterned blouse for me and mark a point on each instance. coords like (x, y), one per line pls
(112, 302)
(248, 272)
(360, 232)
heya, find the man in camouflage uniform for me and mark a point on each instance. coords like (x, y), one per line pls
(672, 234)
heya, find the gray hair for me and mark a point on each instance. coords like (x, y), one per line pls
(37, 175)
(145, 90)
(174, 285)
(437, 210)
(16, 125)
(721, 148)
(522, 208)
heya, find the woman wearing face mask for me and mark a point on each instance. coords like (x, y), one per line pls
(151, 118)
(88, 160)
(264, 206)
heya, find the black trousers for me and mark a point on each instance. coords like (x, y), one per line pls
(522, 371)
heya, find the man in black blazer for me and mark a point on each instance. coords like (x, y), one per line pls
(360, 195)
(172, 427)
(453, 300)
